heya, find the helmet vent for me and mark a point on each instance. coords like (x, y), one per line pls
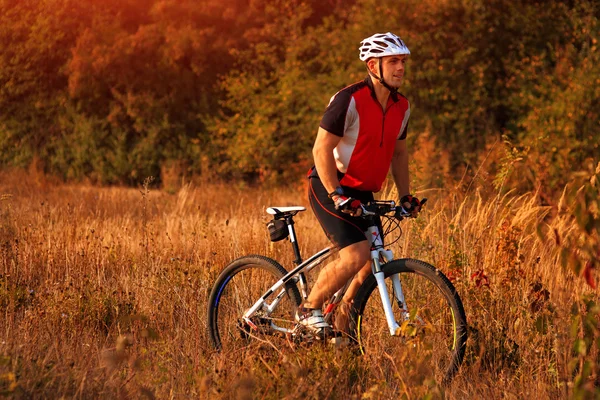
(381, 45)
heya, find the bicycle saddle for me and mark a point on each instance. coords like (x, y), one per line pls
(284, 211)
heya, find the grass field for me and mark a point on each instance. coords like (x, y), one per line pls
(103, 294)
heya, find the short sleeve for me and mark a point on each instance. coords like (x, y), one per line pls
(404, 132)
(334, 118)
(404, 129)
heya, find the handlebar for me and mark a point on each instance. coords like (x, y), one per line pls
(382, 207)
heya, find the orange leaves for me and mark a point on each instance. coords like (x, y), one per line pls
(480, 279)
(588, 274)
(579, 246)
(538, 297)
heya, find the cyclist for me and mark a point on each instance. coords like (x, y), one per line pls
(361, 136)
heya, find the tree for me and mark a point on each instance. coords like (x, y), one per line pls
(36, 38)
(276, 94)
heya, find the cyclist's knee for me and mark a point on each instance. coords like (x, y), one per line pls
(355, 256)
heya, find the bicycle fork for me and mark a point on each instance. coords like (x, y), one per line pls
(385, 299)
(376, 252)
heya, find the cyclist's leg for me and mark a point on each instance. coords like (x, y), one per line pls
(342, 321)
(347, 233)
(363, 273)
(335, 274)
(358, 280)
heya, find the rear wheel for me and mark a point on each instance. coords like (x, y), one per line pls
(433, 332)
(241, 285)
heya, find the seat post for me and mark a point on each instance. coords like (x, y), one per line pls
(290, 223)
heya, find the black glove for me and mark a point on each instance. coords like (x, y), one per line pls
(348, 205)
(411, 204)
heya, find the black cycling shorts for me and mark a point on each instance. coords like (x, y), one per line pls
(342, 229)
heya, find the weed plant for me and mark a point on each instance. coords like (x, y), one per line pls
(103, 294)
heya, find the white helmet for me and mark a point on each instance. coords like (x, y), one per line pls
(381, 45)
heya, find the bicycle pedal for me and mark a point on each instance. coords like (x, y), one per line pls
(308, 336)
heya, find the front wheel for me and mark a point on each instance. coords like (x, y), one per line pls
(432, 337)
(241, 284)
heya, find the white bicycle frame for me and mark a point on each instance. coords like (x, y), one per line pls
(297, 275)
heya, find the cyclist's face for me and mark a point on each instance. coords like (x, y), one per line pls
(393, 69)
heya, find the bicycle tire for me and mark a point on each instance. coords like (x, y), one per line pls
(237, 288)
(433, 340)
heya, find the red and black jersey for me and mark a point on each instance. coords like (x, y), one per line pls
(368, 132)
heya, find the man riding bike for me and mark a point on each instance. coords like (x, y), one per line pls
(361, 136)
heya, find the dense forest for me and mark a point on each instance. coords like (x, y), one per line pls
(115, 91)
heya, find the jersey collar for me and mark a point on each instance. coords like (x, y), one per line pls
(369, 81)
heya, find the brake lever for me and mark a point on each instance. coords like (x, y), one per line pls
(365, 211)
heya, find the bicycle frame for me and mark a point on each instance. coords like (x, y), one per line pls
(297, 274)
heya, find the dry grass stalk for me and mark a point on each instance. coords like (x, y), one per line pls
(103, 293)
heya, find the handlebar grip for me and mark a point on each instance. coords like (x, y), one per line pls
(384, 207)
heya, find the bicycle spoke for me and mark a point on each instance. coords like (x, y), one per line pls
(238, 292)
(426, 339)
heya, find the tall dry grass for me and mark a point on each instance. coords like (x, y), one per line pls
(104, 293)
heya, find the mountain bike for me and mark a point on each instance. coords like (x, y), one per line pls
(415, 309)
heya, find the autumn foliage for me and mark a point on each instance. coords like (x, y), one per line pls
(113, 91)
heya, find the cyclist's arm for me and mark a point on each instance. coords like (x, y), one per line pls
(400, 168)
(324, 161)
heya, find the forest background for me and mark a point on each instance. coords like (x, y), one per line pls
(103, 289)
(116, 91)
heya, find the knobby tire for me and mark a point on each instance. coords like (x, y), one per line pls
(236, 289)
(434, 338)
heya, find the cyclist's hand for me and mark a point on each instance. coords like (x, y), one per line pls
(411, 204)
(348, 205)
